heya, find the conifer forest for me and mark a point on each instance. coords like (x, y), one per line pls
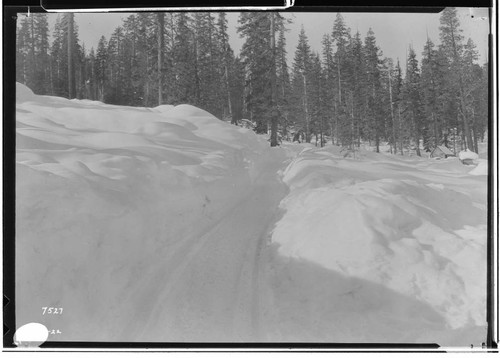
(346, 93)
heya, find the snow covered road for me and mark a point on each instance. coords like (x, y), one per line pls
(209, 287)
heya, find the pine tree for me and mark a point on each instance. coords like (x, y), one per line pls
(119, 87)
(41, 31)
(429, 94)
(273, 104)
(329, 85)
(317, 94)
(256, 55)
(283, 82)
(301, 85)
(473, 80)
(186, 76)
(374, 109)
(237, 89)
(357, 87)
(392, 124)
(91, 81)
(452, 45)
(226, 57)
(413, 107)
(136, 40)
(160, 29)
(22, 49)
(33, 66)
(70, 25)
(101, 67)
(340, 37)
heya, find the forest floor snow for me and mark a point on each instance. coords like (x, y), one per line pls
(166, 224)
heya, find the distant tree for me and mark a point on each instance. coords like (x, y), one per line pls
(301, 82)
(70, 25)
(283, 82)
(101, 64)
(32, 53)
(430, 92)
(373, 93)
(257, 57)
(186, 76)
(160, 29)
(226, 57)
(329, 74)
(453, 47)
(357, 86)
(412, 100)
(273, 104)
(237, 89)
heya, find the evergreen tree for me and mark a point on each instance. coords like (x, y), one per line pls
(329, 85)
(160, 34)
(237, 89)
(340, 37)
(429, 94)
(41, 31)
(373, 90)
(118, 84)
(32, 53)
(186, 76)
(358, 86)
(301, 83)
(70, 25)
(283, 83)
(101, 63)
(226, 58)
(413, 107)
(22, 50)
(452, 46)
(257, 57)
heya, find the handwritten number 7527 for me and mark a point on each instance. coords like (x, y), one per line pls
(52, 310)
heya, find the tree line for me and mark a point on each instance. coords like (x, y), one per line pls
(347, 94)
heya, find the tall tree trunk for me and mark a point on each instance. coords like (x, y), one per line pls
(196, 71)
(308, 137)
(33, 57)
(274, 110)
(462, 95)
(332, 125)
(475, 136)
(467, 130)
(352, 122)
(436, 132)
(392, 113)
(71, 58)
(228, 90)
(400, 130)
(160, 32)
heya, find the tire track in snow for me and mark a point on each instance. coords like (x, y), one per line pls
(209, 287)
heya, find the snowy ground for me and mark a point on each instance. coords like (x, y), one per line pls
(166, 224)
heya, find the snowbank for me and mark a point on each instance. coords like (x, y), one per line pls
(467, 154)
(102, 190)
(23, 93)
(481, 169)
(405, 224)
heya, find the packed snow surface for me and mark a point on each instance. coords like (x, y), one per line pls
(167, 224)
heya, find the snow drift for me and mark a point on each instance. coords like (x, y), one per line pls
(412, 225)
(102, 191)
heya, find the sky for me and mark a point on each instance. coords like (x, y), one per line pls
(394, 32)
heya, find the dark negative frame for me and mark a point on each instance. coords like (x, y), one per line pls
(10, 10)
